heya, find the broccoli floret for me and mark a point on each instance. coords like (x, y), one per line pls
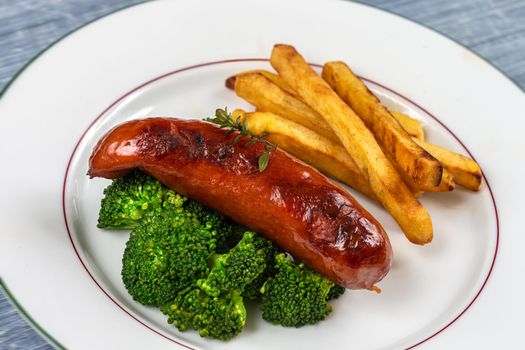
(237, 268)
(165, 254)
(253, 290)
(214, 305)
(221, 317)
(295, 296)
(335, 292)
(228, 232)
(127, 200)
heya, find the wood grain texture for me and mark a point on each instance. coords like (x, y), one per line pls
(495, 29)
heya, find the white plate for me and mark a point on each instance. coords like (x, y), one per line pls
(149, 60)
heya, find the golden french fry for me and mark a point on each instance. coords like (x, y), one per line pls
(338, 169)
(458, 169)
(466, 172)
(424, 170)
(266, 96)
(230, 82)
(259, 91)
(448, 182)
(238, 114)
(328, 157)
(254, 90)
(274, 78)
(412, 126)
(359, 142)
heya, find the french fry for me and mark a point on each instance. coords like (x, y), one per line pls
(424, 170)
(412, 126)
(447, 183)
(269, 92)
(466, 172)
(268, 97)
(463, 170)
(262, 93)
(458, 169)
(359, 142)
(328, 157)
(254, 90)
(274, 78)
(238, 114)
(276, 96)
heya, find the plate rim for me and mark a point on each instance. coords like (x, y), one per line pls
(358, 2)
(252, 59)
(41, 330)
(26, 316)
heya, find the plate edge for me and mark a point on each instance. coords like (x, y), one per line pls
(358, 2)
(3, 286)
(443, 34)
(26, 65)
(27, 317)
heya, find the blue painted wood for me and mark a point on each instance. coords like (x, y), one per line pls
(493, 28)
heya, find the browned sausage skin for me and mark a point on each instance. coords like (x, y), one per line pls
(290, 202)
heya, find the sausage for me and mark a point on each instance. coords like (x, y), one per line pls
(289, 203)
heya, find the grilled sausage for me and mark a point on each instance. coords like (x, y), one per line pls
(289, 203)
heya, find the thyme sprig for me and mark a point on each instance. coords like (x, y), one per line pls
(225, 121)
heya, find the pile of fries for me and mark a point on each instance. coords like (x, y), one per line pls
(335, 124)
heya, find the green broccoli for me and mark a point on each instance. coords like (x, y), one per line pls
(198, 265)
(335, 292)
(165, 254)
(228, 232)
(237, 268)
(127, 200)
(221, 317)
(253, 290)
(130, 199)
(296, 295)
(214, 305)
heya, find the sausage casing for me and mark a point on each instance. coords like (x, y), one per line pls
(289, 203)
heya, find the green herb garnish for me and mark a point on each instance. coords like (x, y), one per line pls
(225, 121)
